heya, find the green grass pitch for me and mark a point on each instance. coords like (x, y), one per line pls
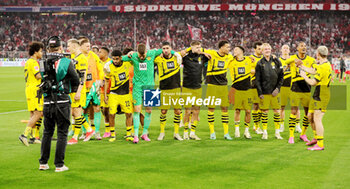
(172, 164)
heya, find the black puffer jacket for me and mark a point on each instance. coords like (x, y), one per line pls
(269, 75)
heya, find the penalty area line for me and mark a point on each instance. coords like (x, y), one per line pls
(2, 113)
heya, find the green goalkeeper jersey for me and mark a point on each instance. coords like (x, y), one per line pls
(143, 69)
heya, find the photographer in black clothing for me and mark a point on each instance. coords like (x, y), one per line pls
(269, 79)
(59, 79)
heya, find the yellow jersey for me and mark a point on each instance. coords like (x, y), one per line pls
(298, 82)
(287, 75)
(81, 67)
(119, 78)
(323, 77)
(31, 69)
(169, 72)
(257, 59)
(217, 67)
(240, 71)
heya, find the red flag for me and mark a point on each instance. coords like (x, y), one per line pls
(167, 37)
(148, 47)
(196, 33)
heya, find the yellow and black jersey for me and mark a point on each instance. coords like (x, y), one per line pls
(119, 78)
(217, 67)
(81, 65)
(323, 77)
(257, 58)
(169, 72)
(31, 69)
(298, 82)
(240, 71)
(287, 75)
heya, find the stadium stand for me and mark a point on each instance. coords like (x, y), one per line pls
(116, 30)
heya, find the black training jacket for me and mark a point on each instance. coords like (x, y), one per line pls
(269, 75)
(194, 66)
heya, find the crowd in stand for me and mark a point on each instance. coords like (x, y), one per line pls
(117, 30)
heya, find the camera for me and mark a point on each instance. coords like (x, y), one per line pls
(48, 68)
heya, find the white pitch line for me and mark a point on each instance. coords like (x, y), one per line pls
(12, 112)
(12, 100)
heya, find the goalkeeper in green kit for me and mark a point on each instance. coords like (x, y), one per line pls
(143, 61)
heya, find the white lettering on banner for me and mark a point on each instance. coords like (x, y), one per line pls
(250, 7)
(178, 7)
(164, 8)
(333, 7)
(317, 6)
(152, 8)
(233, 7)
(215, 7)
(141, 8)
(344, 7)
(129, 8)
(290, 7)
(277, 7)
(264, 6)
(190, 7)
(203, 7)
(304, 6)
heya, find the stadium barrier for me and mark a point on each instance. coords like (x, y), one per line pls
(12, 62)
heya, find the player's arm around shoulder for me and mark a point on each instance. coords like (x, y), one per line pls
(106, 67)
(178, 57)
(107, 84)
(317, 78)
(128, 64)
(158, 60)
(129, 56)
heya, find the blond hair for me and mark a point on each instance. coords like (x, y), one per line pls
(265, 45)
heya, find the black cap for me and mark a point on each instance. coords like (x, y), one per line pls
(54, 41)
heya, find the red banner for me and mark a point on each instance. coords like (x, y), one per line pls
(233, 7)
